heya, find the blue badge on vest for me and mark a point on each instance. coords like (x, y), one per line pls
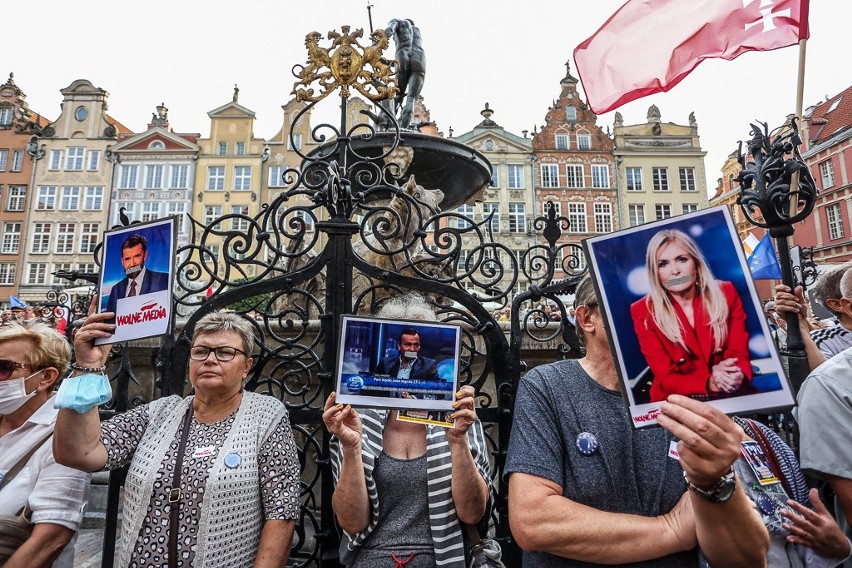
(233, 460)
(587, 444)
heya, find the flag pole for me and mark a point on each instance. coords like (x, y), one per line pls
(800, 100)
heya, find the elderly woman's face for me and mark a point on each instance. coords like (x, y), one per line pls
(212, 375)
(675, 267)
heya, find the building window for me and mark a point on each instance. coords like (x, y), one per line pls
(458, 222)
(570, 113)
(294, 141)
(240, 149)
(306, 218)
(242, 178)
(826, 172)
(577, 218)
(154, 176)
(636, 214)
(603, 217)
(11, 238)
(487, 209)
(180, 176)
(574, 176)
(561, 141)
(276, 176)
(600, 176)
(687, 179)
(6, 114)
(65, 238)
(584, 142)
(690, 207)
(550, 175)
(223, 149)
(660, 179)
(37, 273)
(74, 158)
(17, 160)
(239, 223)
(17, 199)
(557, 208)
(835, 221)
(69, 199)
(177, 208)
(46, 197)
(94, 160)
(495, 177)
(128, 177)
(663, 210)
(516, 176)
(59, 267)
(517, 218)
(150, 211)
(216, 178)
(633, 178)
(89, 233)
(4, 160)
(7, 273)
(211, 213)
(86, 267)
(129, 210)
(55, 160)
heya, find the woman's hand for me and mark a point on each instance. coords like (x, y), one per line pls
(86, 352)
(464, 414)
(815, 529)
(725, 376)
(342, 422)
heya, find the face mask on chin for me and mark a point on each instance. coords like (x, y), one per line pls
(13, 394)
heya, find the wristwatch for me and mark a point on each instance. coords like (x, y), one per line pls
(719, 493)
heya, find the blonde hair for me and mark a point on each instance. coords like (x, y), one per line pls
(50, 348)
(659, 302)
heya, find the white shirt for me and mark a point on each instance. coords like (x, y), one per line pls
(138, 279)
(55, 493)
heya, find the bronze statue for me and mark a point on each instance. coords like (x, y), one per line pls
(412, 66)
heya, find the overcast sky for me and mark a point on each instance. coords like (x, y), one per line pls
(189, 54)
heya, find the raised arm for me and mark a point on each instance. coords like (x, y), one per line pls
(350, 501)
(76, 439)
(470, 492)
(788, 301)
(730, 533)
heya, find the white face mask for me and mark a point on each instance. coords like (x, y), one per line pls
(13, 394)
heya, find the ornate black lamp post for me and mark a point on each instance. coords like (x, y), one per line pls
(777, 190)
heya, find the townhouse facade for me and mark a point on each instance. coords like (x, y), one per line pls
(67, 210)
(508, 204)
(659, 169)
(573, 159)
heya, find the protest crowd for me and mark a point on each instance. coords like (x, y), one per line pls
(586, 488)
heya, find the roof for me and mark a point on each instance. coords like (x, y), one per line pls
(830, 117)
(118, 126)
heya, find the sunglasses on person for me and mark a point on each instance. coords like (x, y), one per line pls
(8, 367)
(223, 354)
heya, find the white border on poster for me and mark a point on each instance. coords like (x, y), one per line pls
(645, 414)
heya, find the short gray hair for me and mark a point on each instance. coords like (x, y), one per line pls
(846, 284)
(827, 286)
(410, 306)
(227, 321)
(584, 295)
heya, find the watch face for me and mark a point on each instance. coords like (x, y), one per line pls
(81, 113)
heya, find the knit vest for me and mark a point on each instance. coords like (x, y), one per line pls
(231, 510)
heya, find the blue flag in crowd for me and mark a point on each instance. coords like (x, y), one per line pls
(16, 303)
(763, 262)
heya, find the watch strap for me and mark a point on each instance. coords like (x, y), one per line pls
(721, 492)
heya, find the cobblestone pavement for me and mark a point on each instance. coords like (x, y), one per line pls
(89, 545)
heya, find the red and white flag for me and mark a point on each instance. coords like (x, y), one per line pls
(649, 46)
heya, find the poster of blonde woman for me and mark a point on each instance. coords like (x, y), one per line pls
(684, 317)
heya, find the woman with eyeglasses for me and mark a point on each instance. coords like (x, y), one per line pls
(691, 327)
(236, 498)
(33, 487)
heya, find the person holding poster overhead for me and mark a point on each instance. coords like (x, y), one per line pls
(691, 327)
(403, 490)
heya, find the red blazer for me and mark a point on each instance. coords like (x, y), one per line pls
(686, 371)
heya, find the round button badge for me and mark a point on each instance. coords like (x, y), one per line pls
(765, 505)
(233, 460)
(587, 444)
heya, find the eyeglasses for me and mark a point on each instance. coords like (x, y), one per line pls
(8, 367)
(201, 352)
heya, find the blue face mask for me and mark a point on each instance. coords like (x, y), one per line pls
(83, 393)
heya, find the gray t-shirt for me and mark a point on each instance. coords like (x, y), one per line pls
(631, 472)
